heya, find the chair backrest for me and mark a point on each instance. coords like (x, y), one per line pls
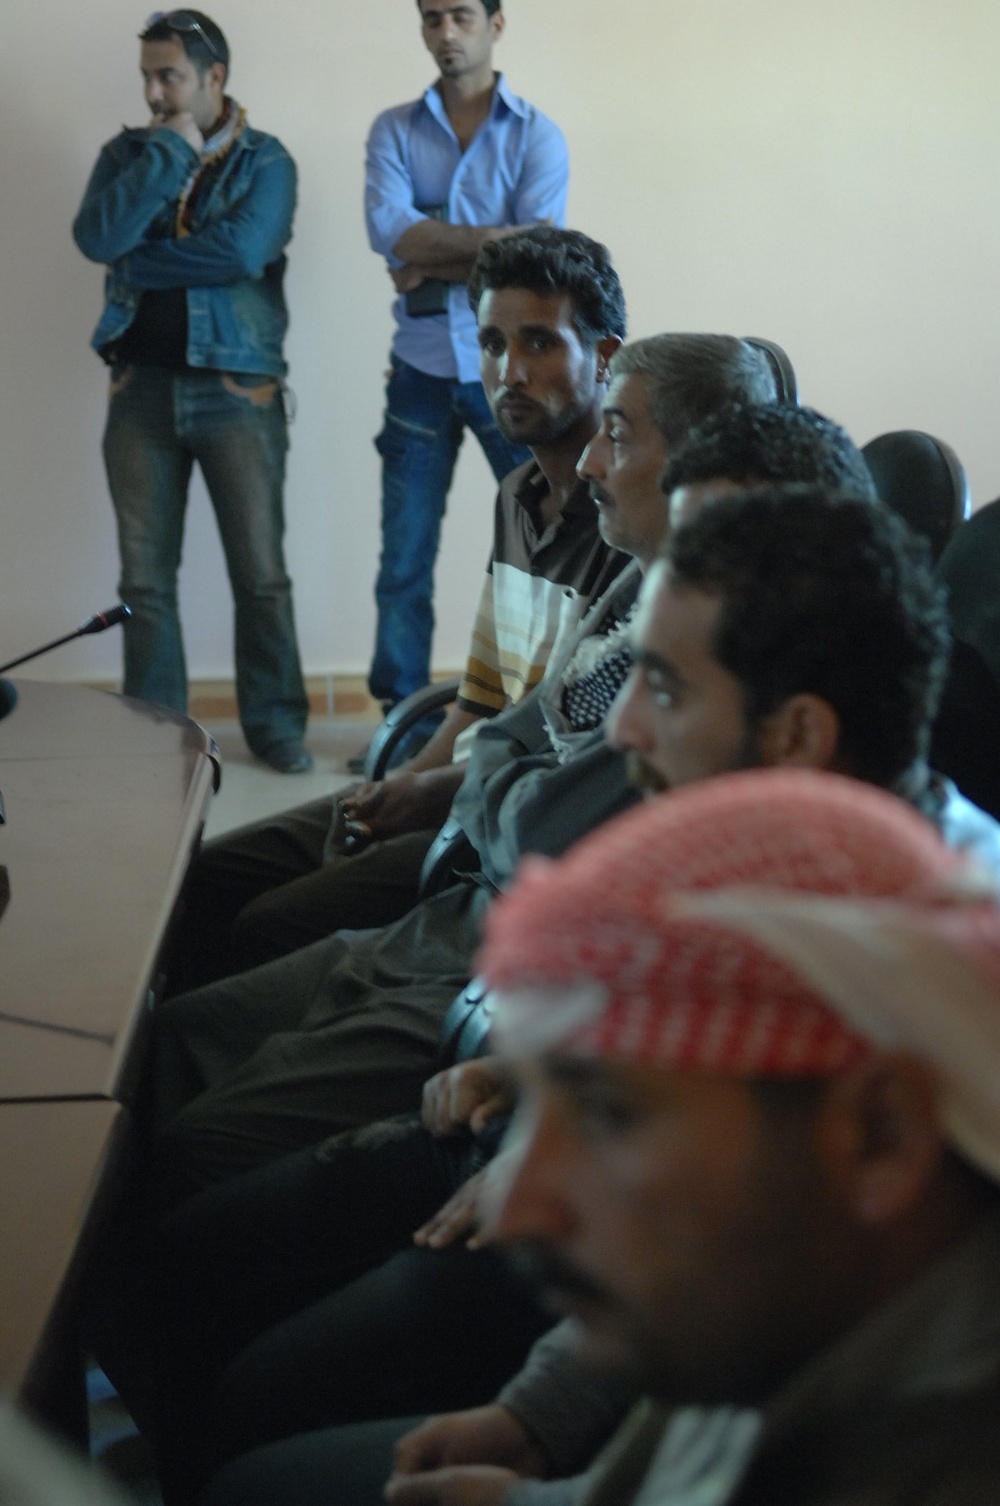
(923, 480)
(784, 371)
(969, 569)
(966, 732)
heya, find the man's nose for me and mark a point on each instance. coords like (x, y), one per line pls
(513, 370)
(591, 465)
(529, 1199)
(626, 726)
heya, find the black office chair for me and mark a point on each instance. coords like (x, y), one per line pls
(451, 851)
(969, 568)
(467, 1024)
(966, 740)
(784, 371)
(404, 715)
(923, 480)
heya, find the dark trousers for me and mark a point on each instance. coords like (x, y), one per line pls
(338, 1035)
(268, 889)
(293, 1298)
(349, 1464)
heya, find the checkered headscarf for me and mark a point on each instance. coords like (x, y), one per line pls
(777, 923)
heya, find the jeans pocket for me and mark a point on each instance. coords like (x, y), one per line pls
(258, 391)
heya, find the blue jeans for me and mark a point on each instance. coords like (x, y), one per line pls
(159, 423)
(425, 418)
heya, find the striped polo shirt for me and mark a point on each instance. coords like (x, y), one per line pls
(537, 584)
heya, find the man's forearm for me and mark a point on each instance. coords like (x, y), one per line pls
(437, 752)
(414, 272)
(432, 244)
(124, 198)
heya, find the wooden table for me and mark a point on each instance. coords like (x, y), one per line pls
(105, 800)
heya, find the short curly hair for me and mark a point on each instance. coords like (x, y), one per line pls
(545, 260)
(828, 594)
(774, 443)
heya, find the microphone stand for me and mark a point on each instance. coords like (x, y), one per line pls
(8, 695)
(96, 624)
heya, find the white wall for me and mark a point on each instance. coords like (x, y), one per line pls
(823, 174)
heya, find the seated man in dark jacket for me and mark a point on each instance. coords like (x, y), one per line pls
(345, 1032)
(756, 1028)
(343, 1203)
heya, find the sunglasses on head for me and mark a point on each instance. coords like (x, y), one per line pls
(183, 22)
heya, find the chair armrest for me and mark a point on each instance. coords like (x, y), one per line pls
(404, 715)
(444, 854)
(466, 1025)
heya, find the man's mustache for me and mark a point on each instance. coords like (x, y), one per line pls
(544, 1268)
(642, 776)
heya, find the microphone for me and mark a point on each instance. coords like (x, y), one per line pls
(8, 698)
(96, 624)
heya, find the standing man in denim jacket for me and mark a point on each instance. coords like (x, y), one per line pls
(191, 215)
(463, 164)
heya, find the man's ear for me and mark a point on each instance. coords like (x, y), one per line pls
(881, 1139)
(217, 75)
(804, 732)
(497, 23)
(606, 347)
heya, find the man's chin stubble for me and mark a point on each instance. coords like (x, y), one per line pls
(642, 776)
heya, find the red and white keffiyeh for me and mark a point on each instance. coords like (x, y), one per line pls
(770, 923)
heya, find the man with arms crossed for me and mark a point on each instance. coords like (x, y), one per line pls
(191, 215)
(444, 174)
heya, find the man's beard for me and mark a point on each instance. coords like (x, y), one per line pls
(537, 426)
(645, 777)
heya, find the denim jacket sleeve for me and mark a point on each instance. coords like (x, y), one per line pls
(240, 244)
(137, 181)
(134, 181)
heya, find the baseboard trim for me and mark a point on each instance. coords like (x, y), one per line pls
(336, 695)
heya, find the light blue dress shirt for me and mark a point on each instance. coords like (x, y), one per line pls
(515, 171)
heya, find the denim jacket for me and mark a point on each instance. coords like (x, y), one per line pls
(232, 263)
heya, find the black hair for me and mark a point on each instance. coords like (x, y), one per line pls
(775, 442)
(545, 260)
(489, 6)
(827, 594)
(203, 40)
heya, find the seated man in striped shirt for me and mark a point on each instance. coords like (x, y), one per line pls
(280, 884)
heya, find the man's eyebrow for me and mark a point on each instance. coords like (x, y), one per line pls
(538, 329)
(610, 411)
